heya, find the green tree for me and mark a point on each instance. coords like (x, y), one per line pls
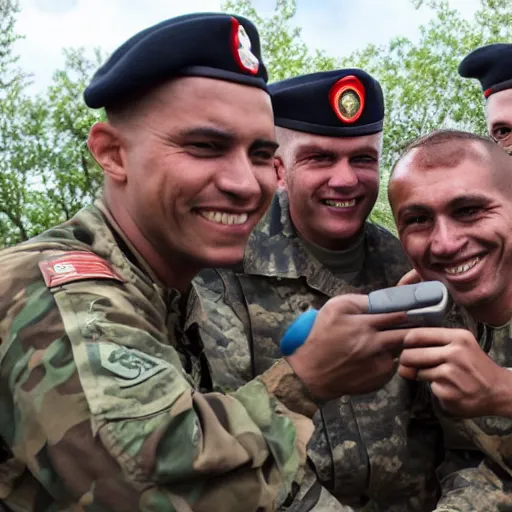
(46, 171)
(283, 48)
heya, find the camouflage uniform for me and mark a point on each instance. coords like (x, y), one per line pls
(105, 392)
(374, 452)
(368, 450)
(488, 486)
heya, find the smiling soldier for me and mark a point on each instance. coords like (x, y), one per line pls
(451, 195)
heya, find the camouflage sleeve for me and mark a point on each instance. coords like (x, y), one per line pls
(475, 489)
(98, 407)
(475, 475)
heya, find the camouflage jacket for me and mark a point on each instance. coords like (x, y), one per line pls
(373, 452)
(492, 434)
(105, 392)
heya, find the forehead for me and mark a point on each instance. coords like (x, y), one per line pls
(189, 101)
(436, 186)
(498, 107)
(300, 140)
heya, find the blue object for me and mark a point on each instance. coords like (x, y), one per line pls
(297, 333)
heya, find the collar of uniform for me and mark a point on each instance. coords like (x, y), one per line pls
(103, 208)
(275, 250)
(194, 310)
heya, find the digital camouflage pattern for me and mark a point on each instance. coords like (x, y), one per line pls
(489, 486)
(105, 392)
(377, 452)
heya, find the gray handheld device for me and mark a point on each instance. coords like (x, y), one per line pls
(426, 303)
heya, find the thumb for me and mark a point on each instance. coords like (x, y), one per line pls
(412, 277)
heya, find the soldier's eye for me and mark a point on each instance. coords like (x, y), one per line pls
(501, 133)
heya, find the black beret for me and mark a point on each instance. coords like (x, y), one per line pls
(213, 45)
(339, 103)
(491, 65)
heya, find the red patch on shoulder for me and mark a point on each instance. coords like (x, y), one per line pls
(76, 266)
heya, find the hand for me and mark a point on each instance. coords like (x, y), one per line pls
(345, 353)
(467, 382)
(412, 277)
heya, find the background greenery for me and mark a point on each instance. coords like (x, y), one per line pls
(47, 174)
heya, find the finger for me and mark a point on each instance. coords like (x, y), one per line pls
(412, 277)
(429, 337)
(431, 374)
(406, 372)
(423, 357)
(382, 321)
(390, 341)
(349, 303)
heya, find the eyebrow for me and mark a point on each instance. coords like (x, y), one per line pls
(264, 144)
(315, 148)
(227, 137)
(453, 204)
(500, 122)
(468, 198)
(413, 208)
(207, 132)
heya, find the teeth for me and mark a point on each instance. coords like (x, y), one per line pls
(340, 204)
(459, 269)
(225, 218)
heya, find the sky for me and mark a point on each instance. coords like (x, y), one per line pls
(336, 26)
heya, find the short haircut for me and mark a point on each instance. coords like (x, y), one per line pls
(433, 142)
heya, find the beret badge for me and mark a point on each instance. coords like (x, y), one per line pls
(347, 98)
(241, 48)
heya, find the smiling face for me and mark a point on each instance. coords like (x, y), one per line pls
(498, 111)
(332, 184)
(195, 170)
(454, 217)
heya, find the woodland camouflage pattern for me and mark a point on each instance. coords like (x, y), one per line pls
(376, 452)
(105, 393)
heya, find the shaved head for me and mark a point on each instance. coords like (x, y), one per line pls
(449, 148)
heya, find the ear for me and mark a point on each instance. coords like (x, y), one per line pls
(280, 172)
(106, 145)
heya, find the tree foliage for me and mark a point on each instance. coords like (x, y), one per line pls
(47, 173)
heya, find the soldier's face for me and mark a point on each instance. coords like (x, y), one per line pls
(499, 118)
(455, 225)
(332, 184)
(199, 167)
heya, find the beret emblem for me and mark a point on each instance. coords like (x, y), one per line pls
(241, 48)
(347, 99)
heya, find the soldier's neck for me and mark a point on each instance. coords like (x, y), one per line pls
(344, 263)
(169, 272)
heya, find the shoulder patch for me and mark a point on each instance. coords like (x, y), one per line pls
(76, 266)
(129, 365)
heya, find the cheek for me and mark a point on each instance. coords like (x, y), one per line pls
(370, 180)
(267, 180)
(304, 183)
(415, 247)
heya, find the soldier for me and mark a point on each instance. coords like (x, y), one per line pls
(106, 395)
(491, 65)
(315, 243)
(451, 197)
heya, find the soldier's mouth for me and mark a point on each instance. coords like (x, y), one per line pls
(224, 217)
(339, 204)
